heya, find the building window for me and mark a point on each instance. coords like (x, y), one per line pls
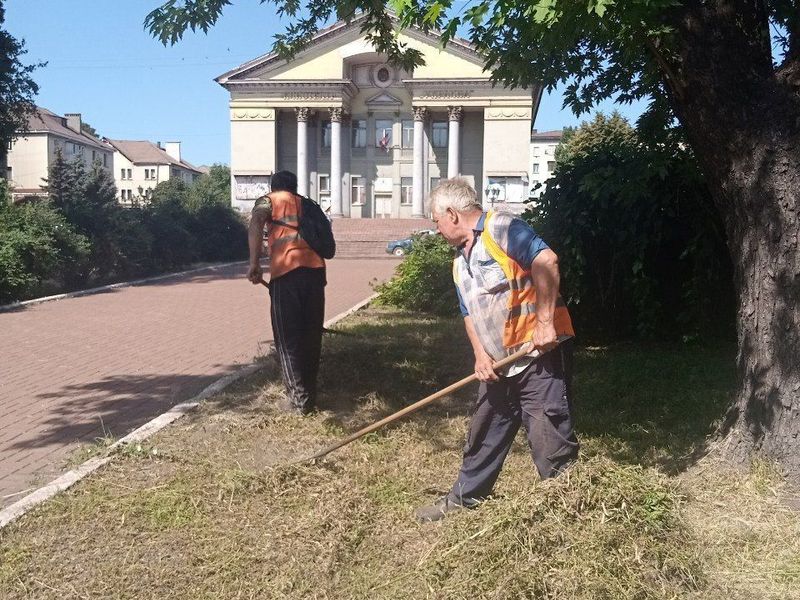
(324, 184)
(548, 151)
(357, 192)
(408, 134)
(383, 134)
(536, 150)
(359, 135)
(122, 173)
(149, 174)
(94, 156)
(439, 134)
(105, 160)
(326, 134)
(406, 190)
(535, 168)
(434, 182)
(551, 166)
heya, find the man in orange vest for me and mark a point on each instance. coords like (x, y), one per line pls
(296, 290)
(507, 281)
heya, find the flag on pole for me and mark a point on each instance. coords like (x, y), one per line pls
(384, 141)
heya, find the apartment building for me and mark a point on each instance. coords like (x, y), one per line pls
(47, 134)
(139, 166)
(543, 159)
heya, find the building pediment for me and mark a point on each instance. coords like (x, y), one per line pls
(383, 100)
(328, 53)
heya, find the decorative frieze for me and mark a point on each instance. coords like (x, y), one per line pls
(315, 96)
(498, 114)
(252, 114)
(446, 94)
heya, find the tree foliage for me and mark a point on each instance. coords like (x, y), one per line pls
(17, 88)
(642, 248)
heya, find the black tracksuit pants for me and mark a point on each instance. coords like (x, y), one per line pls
(538, 399)
(298, 312)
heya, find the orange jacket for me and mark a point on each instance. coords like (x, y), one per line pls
(286, 249)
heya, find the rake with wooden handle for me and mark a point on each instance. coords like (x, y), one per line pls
(414, 407)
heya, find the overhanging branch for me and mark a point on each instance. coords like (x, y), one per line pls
(677, 85)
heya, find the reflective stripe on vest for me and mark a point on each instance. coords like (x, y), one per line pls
(518, 296)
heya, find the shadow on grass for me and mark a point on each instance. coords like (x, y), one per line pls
(653, 405)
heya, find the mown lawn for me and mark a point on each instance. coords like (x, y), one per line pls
(210, 508)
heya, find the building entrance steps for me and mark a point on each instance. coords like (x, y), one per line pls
(368, 237)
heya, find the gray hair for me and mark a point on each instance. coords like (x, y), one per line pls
(454, 193)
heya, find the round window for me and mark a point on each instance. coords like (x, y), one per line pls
(383, 74)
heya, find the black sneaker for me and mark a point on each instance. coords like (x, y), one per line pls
(438, 510)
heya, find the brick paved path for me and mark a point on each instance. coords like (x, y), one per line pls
(72, 369)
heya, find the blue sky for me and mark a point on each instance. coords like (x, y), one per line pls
(103, 64)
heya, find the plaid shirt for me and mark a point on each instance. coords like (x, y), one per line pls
(484, 289)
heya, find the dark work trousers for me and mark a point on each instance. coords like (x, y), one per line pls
(539, 398)
(298, 312)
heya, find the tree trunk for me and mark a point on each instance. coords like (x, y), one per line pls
(743, 121)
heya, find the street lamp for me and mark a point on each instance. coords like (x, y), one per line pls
(492, 192)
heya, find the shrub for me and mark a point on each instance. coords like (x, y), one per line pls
(641, 246)
(36, 244)
(220, 232)
(424, 280)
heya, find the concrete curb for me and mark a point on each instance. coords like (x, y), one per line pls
(68, 479)
(114, 286)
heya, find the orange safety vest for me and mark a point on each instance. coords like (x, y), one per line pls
(511, 286)
(287, 250)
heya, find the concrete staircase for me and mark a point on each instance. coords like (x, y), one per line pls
(362, 238)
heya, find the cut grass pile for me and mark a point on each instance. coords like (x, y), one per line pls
(210, 508)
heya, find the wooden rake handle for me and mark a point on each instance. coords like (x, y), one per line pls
(413, 407)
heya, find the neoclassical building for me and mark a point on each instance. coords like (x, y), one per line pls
(370, 140)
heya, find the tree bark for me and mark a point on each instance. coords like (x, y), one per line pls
(743, 121)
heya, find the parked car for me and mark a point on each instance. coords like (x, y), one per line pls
(403, 247)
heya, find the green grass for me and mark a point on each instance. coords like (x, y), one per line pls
(212, 507)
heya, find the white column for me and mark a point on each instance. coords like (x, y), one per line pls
(336, 162)
(454, 141)
(418, 187)
(302, 150)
